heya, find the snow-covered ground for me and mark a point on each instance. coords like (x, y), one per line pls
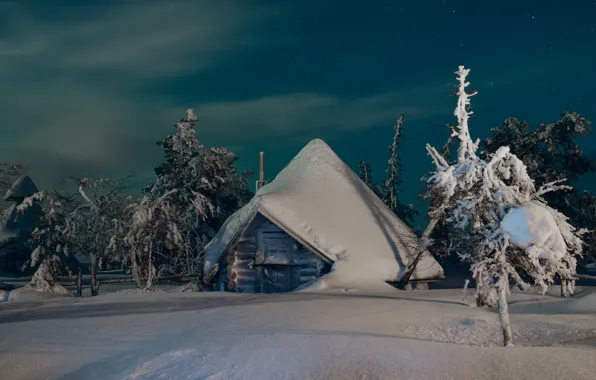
(348, 335)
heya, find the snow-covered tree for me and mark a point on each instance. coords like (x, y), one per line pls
(196, 189)
(152, 230)
(365, 174)
(585, 204)
(495, 201)
(392, 186)
(550, 151)
(98, 216)
(52, 239)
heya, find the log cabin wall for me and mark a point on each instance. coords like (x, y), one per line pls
(266, 260)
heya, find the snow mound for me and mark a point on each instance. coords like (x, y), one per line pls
(324, 204)
(533, 228)
(28, 293)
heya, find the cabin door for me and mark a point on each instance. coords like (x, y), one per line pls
(277, 268)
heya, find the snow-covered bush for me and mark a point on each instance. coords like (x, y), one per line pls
(495, 201)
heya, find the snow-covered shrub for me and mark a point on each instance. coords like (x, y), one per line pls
(495, 201)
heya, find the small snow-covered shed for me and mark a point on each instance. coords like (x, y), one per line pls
(314, 214)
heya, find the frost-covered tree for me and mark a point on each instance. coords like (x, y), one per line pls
(196, 189)
(392, 186)
(549, 151)
(150, 232)
(52, 239)
(98, 217)
(507, 222)
(585, 204)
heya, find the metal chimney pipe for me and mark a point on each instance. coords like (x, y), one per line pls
(262, 167)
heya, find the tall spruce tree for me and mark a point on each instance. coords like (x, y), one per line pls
(392, 187)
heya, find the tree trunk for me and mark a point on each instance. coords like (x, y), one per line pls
(563, 289)
(481, 300)
(134, 267)
(44, 278)
(94, 287)
(504, 315)
(80, 282)
(188, 268)
(419, 252)
(150, 267)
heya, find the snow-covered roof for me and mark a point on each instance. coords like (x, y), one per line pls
(21, 188)
(16, 224)
(319, 200)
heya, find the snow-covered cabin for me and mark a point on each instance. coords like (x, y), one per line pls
(315, 213)
(17, 226)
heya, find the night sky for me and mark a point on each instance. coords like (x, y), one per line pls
(89, 89)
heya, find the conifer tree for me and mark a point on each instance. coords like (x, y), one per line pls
(367, 177)
(392, 187)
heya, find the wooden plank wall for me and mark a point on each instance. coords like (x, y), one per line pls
(236, 273)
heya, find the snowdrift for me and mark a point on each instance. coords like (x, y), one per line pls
(28, 293)
(322, 203)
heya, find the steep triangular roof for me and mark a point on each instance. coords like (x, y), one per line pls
(21, 188)
(318, 199)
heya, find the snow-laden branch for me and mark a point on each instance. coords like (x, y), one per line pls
(467, 148)
(552, 186)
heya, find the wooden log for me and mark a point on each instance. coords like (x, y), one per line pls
(231, 285)
(241, 255)
(237, 275)
(246, 247)
(243, 263)
(243, 271)
(209, 276)
(247, 239)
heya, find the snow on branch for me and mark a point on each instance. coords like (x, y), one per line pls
(552, 186)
